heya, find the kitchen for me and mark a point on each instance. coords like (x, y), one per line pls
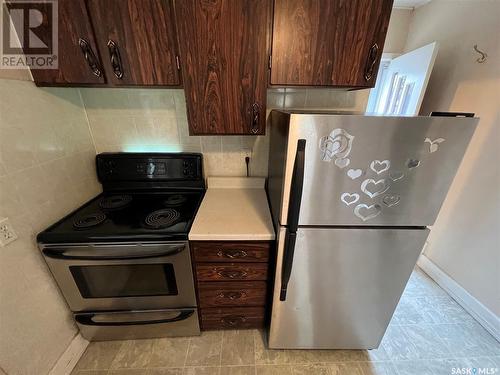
(49, 141)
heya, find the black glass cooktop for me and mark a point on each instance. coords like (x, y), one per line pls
(128, 216)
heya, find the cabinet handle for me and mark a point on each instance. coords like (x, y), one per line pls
(371, 61)
(232, 295)
(232, 254)
(90, 57)
(116, 61)
(255, 114)
(232, 274)
(232, 320)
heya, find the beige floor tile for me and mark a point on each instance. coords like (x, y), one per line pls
(312, 356)
(237, 370)
(407, 312)
(86, 372)
(345, 369)
(440, 309)
(265, 356)
(377, 368)
(482, 363)
(169, 352)
(213, 370)
(165, 352)
(414, 342)
(496, 361)
(327, 369)
(273, 369)
(238, 348)
(467, 340)
(422, 285)
(164, 371)
(99, 355)
(205, 350)
(128, 372)
(316, 369)
(133, 354)
(378, 354)
(427, 367)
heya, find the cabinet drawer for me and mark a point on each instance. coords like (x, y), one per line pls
(235, 293)
(232, 317)
(231, 271)
(231, 251)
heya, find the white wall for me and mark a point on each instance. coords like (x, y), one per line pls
(465, 241)
(397, 31)
(46, 170)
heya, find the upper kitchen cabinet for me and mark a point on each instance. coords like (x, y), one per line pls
(137, 41)
(224, 50)
(78, 58)
(328, 42)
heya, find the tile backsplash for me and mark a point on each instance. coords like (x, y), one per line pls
(156, 120)
(46, 170)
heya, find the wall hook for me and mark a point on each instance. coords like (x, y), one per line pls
(483, 57)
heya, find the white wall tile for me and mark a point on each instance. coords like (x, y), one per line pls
(47, 170)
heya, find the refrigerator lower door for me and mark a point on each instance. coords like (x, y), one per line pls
(344, 286)
(139, 324)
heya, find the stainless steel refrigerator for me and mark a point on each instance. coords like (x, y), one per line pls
(352, 197)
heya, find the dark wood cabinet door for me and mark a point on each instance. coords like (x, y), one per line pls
(137, 41)
(224, 59)
(328, 42)
(77, 55)
(232, 293)
(232, 318)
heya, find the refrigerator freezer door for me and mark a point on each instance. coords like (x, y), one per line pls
(344, 286)
(368, 170)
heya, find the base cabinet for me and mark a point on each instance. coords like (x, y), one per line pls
(232, 283)
(232, 318)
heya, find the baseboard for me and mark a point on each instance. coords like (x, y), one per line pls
(68, 360)
(481, 313)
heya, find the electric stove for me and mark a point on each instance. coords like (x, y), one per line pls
(122, 260)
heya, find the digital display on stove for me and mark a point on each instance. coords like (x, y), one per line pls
(151, 168)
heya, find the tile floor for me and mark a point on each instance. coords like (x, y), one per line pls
(429, 334)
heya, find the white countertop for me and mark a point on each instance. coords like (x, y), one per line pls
(233, 209)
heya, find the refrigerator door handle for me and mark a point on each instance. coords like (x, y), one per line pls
(293, 216)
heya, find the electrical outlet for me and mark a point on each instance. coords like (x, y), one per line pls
(247, 152)
(7, 233)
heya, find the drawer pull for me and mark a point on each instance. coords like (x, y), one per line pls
(232, 254)
(232, 295)
(232, 320)
(231, 274)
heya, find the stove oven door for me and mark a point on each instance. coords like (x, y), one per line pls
(104, 277)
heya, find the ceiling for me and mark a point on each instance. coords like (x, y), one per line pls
(409, 3)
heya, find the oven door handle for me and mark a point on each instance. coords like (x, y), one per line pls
(87, 319)
(109, 252)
